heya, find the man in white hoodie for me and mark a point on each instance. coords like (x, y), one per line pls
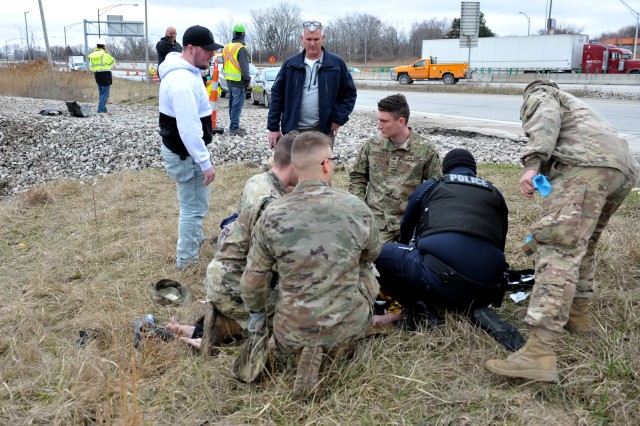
(186, 130)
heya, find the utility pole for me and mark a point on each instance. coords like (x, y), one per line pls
(549, 29)
(26, 32)
(46, 38)
(146, 43)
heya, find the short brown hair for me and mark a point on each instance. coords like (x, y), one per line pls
(307, 146)
(282, 153)
(396, 105)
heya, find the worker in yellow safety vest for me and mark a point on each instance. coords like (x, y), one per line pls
(100, 63)
(236, 73)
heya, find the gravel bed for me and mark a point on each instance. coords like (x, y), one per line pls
(35, 148)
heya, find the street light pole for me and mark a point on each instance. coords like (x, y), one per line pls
(637, 15)
(528, 22)
(66, 52)
(113, 6)
(26, 32)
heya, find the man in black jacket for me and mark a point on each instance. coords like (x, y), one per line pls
(451, 250)
(167, 44)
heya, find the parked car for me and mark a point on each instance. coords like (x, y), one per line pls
(353, 69)
(261, 85)
(223, 83)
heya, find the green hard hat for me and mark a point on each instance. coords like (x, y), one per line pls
(238, 28)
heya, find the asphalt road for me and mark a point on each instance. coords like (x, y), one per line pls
(500, 112)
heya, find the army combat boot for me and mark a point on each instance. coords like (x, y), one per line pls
(579, 321)
(308, 370)
(535, 361)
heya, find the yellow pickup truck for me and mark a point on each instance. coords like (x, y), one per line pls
(429, 69)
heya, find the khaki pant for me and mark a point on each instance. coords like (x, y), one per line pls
(581, 202)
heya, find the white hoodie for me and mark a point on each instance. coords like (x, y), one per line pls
(184, 97)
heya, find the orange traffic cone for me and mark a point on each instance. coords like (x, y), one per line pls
(213, 98)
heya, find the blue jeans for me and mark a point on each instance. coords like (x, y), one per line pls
(237, 95)
(103, 96)
(193, 198)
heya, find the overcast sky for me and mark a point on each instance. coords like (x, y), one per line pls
(502, 16)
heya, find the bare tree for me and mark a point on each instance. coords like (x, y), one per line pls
(258, 36)
(394, 39)
(355, 36)
(426, 30)
(223, 30)
(563, 27)
(278, 29)
(628, 31)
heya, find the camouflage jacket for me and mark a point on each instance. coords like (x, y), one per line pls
(229, 262)
(384, 175)
(563, 128)
(321, 241)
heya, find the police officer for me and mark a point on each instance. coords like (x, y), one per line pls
(451, 250)
(236, 73)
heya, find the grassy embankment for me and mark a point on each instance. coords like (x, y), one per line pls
(83, 254)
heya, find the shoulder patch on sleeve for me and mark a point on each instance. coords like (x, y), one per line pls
(528, 108)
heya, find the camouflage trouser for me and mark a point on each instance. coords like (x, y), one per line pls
(572, 219)
(223, 290)
(389, 236)
(222, 284)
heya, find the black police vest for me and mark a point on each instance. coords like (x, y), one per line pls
(467, 204)
(171, 136)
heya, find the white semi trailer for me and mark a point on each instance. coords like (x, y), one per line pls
(561, 52)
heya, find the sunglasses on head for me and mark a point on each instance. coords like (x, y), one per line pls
(311, 25)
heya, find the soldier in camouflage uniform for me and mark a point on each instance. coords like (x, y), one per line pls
(321, 241)
(222, 281)
(388, 168)
(591, 171)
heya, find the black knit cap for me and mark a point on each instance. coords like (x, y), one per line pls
(458, 157)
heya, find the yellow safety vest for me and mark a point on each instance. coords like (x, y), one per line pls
(100, 60)
(232, 70)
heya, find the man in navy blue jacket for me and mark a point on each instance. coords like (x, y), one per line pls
(451, 250)
(313, 91)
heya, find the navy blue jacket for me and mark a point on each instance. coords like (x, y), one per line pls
(337, 93)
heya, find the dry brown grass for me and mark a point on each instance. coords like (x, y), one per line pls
(34, 80)
(67, 266)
